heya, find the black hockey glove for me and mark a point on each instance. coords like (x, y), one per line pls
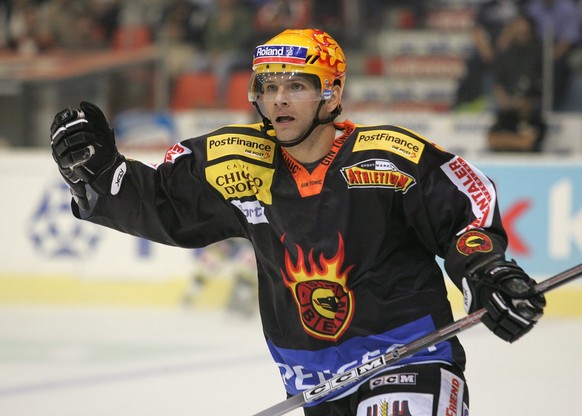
(83, 145)
(507, 293)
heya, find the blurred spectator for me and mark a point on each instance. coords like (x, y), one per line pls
(71, 26)
(328, 15)
(490, 19)
(410, 14)
(517, 82)
(227, 37)
(106, 17)
(560, 20)
(184, 21)
(274, 16)
(3, 24)
(23, 32)
(181, 31)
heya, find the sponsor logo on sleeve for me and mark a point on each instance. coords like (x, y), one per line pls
(391, 141)
(477, 187)
(377, 173)
(249, 146)
(175, 152)
(236, 179)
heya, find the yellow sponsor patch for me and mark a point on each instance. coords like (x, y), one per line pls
(392, 141)
(233, 144)
(236, 179)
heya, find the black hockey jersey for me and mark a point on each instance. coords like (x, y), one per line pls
(345, 249)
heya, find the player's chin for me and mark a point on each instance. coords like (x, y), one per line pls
(286, 134)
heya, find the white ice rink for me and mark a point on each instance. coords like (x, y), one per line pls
(131, 362)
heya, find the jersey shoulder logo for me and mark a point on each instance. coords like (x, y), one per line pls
(241, 145)
(377, 173)
(324, 302)
(392, 141)
(175, 152)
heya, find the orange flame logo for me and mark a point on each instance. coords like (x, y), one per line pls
(331, 52)
(325, 303)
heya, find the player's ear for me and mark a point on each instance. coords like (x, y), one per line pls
(334, 101)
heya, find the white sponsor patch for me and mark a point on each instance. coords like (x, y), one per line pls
(451, 395)
(415, 404)
(478, 188)
(286, 54)
(175, 152)
(253, 211)
(118, 178)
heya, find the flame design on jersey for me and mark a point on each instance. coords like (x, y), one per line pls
(320, 290)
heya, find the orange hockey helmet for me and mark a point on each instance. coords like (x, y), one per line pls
(306, 51)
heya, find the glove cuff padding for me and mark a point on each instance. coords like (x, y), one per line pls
(507, 293)
(76, 187)
(108, 181)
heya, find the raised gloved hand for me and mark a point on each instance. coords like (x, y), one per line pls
(83, 145)
(507, 293)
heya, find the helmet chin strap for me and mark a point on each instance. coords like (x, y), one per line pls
(268, 126)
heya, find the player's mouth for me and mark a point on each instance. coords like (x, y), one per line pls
(284, 119)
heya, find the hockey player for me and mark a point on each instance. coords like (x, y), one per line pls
(345, 221)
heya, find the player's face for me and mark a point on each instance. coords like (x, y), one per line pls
(290, 102)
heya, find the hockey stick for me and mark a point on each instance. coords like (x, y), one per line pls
(371, 367)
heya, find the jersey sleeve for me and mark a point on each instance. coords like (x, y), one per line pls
(170, 203)
(455, 212)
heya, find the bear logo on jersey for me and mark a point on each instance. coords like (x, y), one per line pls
(325, 303)
(473, 242)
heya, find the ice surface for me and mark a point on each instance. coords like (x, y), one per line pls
(66, 361)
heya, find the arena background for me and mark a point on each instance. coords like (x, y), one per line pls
(94, 322)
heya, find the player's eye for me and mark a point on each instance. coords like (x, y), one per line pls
(297, 86)
(270, 88)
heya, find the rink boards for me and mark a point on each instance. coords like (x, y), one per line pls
(47, 256)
